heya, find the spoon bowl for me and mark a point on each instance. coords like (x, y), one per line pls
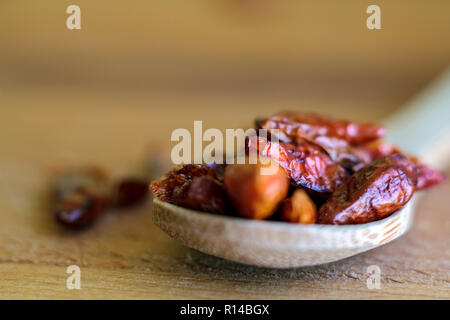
(420, 128)
(275, 244)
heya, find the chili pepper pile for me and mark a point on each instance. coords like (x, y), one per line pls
(329, 172)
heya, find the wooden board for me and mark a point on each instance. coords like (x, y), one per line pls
(107, 94)
(126, 256)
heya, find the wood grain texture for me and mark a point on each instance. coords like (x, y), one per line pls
(126, 256)
(106, 94)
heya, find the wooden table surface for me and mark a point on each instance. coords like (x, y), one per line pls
(126, 256)
(116, 89)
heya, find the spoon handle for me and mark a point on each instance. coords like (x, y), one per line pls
(422, 127)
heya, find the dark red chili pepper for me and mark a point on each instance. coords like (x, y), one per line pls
(130, 192)
(306, 165)
(372, 193)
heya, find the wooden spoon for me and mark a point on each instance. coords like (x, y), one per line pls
(421, 128)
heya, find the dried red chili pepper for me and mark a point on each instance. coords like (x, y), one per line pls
(426, 177)
(80, 208)
(309, 126)
(194, 187)
(203, 193)
(82, 196)
(327, 134)
(305, 164)
(352, 158)
(372, 193)
(163, 189)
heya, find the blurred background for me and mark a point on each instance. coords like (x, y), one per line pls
(138, 69)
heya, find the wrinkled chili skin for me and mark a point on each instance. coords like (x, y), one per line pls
(379, 148)
(372, 193)
(336, 137)
(203, 193)
(163, 189)
(194, 187)
(426, 176)
(310, 126)
(306, 165)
